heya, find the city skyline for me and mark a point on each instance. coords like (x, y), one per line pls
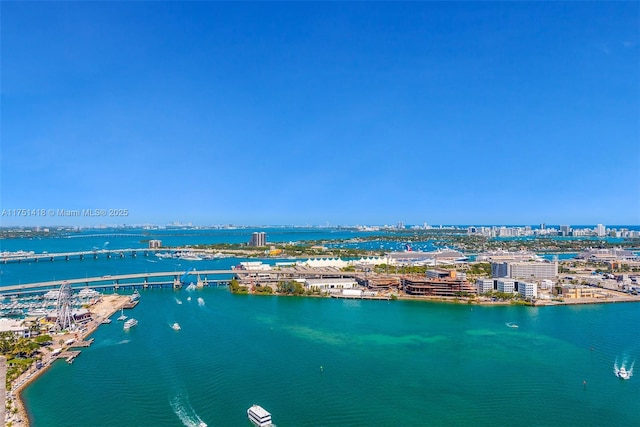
(315, 113)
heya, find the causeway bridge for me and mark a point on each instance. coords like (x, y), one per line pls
(95, 254)
(175, 279)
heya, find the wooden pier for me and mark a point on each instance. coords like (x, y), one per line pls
(79, 344)
(69, 355)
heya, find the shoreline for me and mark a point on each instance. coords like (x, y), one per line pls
(107, 306)
(464, 300)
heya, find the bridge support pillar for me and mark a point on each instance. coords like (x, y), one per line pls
(146, 283)
(176, 283)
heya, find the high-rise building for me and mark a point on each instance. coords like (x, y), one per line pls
(564, 230)
(499, 269)
(601, 230)
(259, 238)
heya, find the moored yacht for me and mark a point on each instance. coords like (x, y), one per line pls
(130, 323)
(259, 416)
(135, 296)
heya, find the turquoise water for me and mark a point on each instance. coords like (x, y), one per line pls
(326, 362)
(313, 361)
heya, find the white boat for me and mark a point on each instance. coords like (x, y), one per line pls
(512, 325)
(122, 316)
(259, 416)
(190, 256)
(623, 374)
(176, 326)
(130, 323)
(135, 296)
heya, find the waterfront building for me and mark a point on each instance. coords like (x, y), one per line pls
(325, 262)
(329, 284)
(582, 292)
(601, 231)
(533, 270)
(484, 285)
(506, 285)
(565, 230)
(528, 290)
(258, 239)
(155, 244)
(15, 326)
(436, 287)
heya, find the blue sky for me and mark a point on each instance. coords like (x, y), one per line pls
(308, 113)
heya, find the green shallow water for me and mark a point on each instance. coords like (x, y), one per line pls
(326, 362)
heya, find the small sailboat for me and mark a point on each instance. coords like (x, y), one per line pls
(122, 316)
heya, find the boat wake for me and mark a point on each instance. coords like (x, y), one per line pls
(622, 371)
(511, 324)
(124, 342)
(183, 409)
(191, 287)
(178, 301)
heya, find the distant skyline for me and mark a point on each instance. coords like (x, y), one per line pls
(314, 113)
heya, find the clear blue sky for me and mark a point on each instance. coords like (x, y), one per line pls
(308, 113)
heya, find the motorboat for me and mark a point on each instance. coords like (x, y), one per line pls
(176, 326)
(122, 316)
(512, 325)
(259, 416)
(130, 323)
(623, 374)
